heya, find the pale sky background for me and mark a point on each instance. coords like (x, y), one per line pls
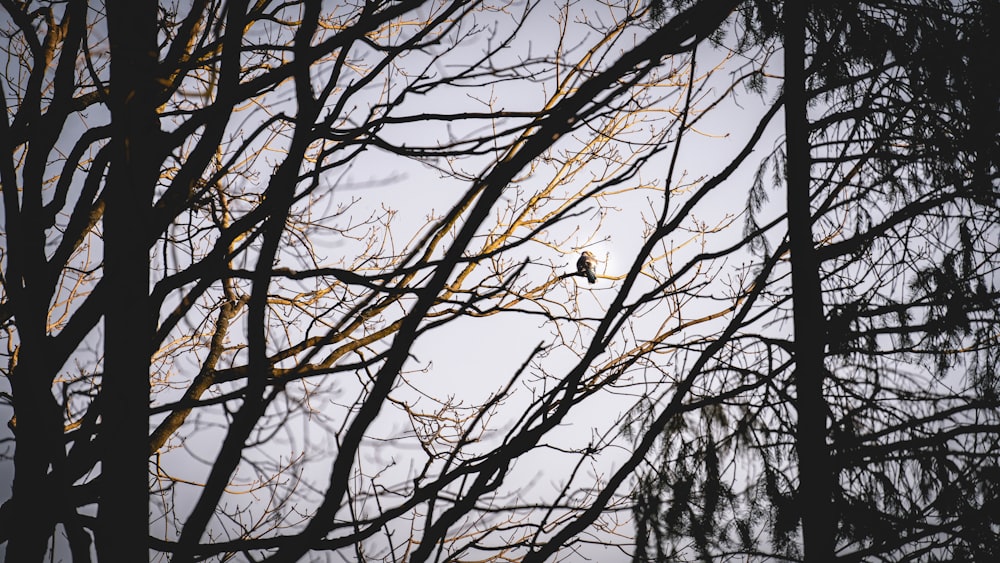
(470, 359)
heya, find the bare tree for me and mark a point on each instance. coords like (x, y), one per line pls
(213, 192)
(323, 258)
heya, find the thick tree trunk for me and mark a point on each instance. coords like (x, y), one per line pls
(818, 521)
(38, 418)
(123, 527)
(39, 431)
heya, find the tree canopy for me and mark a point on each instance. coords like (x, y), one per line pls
(299, 280)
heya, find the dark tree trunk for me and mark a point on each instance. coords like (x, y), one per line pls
(123, 527)
(814, 491)
(38, 418)
(39, 432)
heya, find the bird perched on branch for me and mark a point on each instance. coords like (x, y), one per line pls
(585, 266)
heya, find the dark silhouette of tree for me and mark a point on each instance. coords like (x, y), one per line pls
(884, 413)
(897, 338)
(133, 169)
(318, 262)
(811, 450)
(192, 168)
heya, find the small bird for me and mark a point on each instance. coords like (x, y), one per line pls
(585, 265)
